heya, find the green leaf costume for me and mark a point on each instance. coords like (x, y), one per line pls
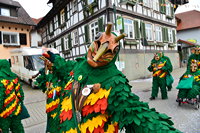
(160, 69)
(109, 109)
(11, 98)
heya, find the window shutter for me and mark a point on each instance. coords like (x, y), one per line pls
(172, 11)
(164, 7)
(59, 19)
(54, 45)
(49, 27)
(22, 38)
(163, 34)
(143, 32)
(136, 29)
(100, 24)
(69, 42)
(0, 38)
(87, 39)
(174, 37)
(62, 44)
(53, 25)
(167, 35)
(66, 18)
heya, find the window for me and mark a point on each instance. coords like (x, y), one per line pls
(66, 43)
(170, 34)
(147, 3)
(149, 32)
(76, 37)
(75, 5)
(94, 30)
(51, 26)
(90, 1)
(10, 38)
(168, 9)
(5, 12)
(56, 22)
(158, 34)
(62, 16)
(156, 5)
(128, 28)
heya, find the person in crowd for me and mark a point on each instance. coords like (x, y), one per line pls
(160, 67)
(11, 100)
(97, 96)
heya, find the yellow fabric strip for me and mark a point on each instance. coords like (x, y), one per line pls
(93, 98)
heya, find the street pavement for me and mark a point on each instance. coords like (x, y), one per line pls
(186, 118)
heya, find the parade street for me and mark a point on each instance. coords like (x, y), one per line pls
(186, 118)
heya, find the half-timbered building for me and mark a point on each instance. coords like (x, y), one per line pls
(150, 25)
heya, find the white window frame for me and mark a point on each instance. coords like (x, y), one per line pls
(156, 5)
(148, 3)
(149, 31)
(75, 37)
(129, 28)
(55, 22)
(10, 33)
(75, 6)
(62, 16)
(66, 43)
(168, 9)
(94, 29)
(158, 31)
(5, 12)
(50, 26)
(170, 35)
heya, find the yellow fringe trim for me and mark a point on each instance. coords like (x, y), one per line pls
(92, 98)
(52, 103)
(18, 110)
(9, 108)
(92, 124)
(71, 131)
(8, 98)
(111, 128)
(66, 104)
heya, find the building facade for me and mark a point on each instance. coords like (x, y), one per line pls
(150, 26)
(188, 32)
(15, 27)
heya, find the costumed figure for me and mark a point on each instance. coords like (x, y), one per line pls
(169, 78)
(49, 81)
(98, 98)
(195, 56)
(160, 68)
(189, 84)
(11, 100)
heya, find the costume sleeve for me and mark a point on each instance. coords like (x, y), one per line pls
(150, 68)
(62, 67)
(136, 116)
(170, 69)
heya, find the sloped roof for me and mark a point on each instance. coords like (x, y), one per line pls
(36, 21)
(22, 15)
(188, 20)
(9, 2)
(187, 42)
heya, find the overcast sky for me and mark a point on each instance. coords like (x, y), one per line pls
(39, 8)
(35, 8)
